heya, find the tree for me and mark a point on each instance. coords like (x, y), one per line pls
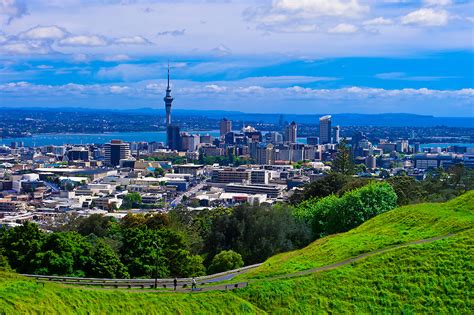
(131, 200)
(105, 263)
(226, 260)
(329, 184)
(255, 232)
(21, 244)
(335, 214)
(96, 224)
(63, 254)
(343, 162)
(408, 189)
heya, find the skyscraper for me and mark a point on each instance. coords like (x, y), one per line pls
(225, 126)
(291, 133)
(173, 138)
(325, 129)
(168, 100)
(115, 151)
(336, 134)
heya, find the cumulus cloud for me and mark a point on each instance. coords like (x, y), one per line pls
(300, 16)
(119, 57)
(378, 21)
(84, 40)
(52, 32)
(172, 33)
(13, 9)
(343, 28)
(25, 47)
(132, 40)
(437, 2)
(426, 17)
(222, 50)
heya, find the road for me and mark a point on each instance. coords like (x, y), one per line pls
(188, 193)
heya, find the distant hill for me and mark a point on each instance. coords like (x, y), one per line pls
(431, 277)
(347, 119)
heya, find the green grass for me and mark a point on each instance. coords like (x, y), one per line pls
(20, 295)
(431, 278)
(398, 226)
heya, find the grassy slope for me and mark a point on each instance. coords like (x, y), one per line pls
(428, 278)
(433, 278)
(20, 295)
(400, 225)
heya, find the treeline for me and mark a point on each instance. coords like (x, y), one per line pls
(439, 185)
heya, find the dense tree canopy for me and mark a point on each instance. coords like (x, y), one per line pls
(335, 214)
(226, 260)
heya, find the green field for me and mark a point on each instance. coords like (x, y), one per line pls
(434, 277)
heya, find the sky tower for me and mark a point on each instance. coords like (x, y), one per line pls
(168, 100)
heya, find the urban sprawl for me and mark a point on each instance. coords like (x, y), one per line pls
(53, 184)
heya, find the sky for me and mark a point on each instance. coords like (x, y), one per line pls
(261, 56)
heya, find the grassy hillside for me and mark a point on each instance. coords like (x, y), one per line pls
(435, 277)
(20, 295)
(398, 226)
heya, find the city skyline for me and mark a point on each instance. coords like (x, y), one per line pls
(311, 56)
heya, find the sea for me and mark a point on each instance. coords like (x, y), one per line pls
(148, 136)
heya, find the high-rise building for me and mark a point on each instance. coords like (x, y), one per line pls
(115, 151)
(336, 134)
(225, 126)
(78, 154)
(173, 138)
(291, 133)
(168, 100)
(325, 129)
(189, 143)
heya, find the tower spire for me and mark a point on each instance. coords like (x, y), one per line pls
(168, 75)
(168, 99)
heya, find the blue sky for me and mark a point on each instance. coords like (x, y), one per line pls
(290, 56)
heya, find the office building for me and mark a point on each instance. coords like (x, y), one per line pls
(173, 137)
(312, 140)
(325, 129)
(115, 151)
(230, 175)
(225, 127)
(78, 154)
(335, 134)
(189, 143)
(291, 133)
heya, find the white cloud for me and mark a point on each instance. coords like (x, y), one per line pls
(25, 48)
(84, 40)
(132, 40)
(343, 28)
(119, 57)
(378, 21)
(172, 33)
(437, 2)
(426, 17)
(118, 89)
(300, 16)
(13, 9)
(222, 50)
(322, 7)
(52, 32)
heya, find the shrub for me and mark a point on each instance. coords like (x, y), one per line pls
(334, 214)
(226, 260)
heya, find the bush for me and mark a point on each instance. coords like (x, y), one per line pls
(334, 214)
(226, 260)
